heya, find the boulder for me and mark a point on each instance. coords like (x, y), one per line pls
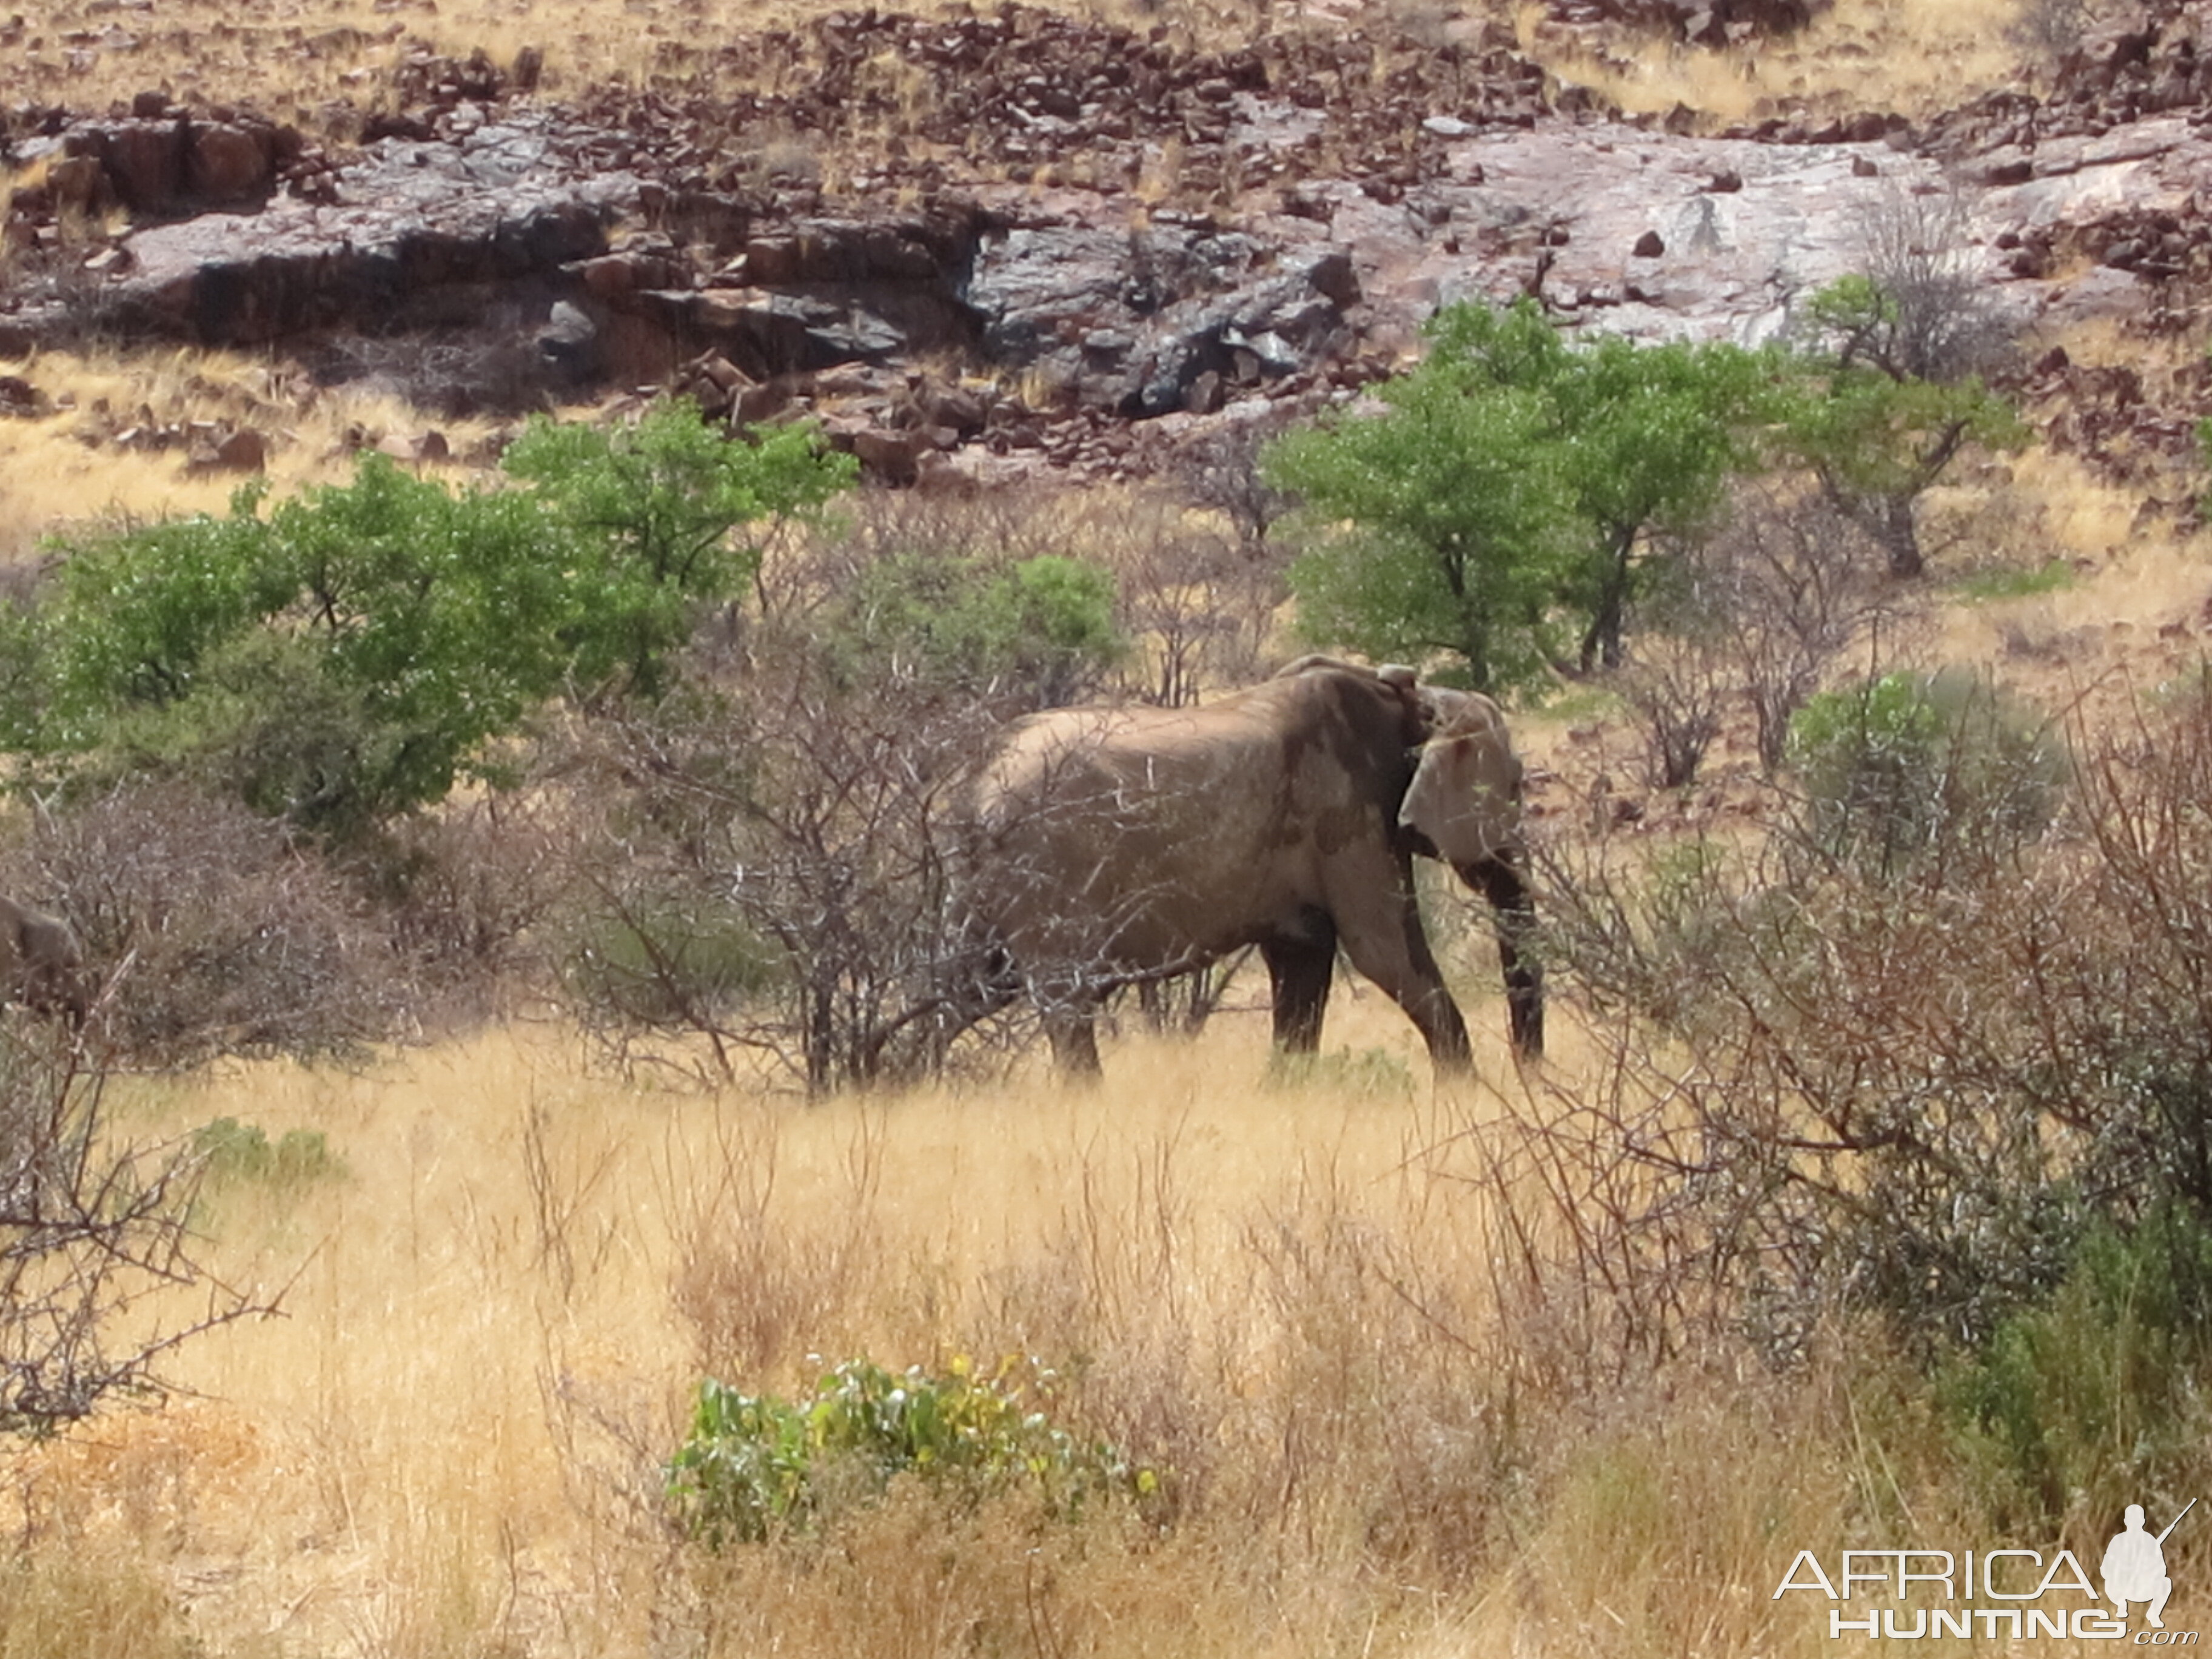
(144, 161)
(226, 164)
(243, 451)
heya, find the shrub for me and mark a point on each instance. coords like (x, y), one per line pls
(1909, 764)
(231, 1152)
(341, 660)
(237, 938)
(1917, 1090)
(91, 1227)
(2091, 1398)
(767, 856)
(755, 1466)
(659, 958)
(1044, 625)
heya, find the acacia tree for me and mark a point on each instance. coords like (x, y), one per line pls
(1433, 527)
(1511, 488)
(1653, 433)
(341, 658)
(1876, 421)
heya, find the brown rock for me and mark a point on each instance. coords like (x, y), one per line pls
(145, 161)
(960, 407)
(1649, 245)
(243, 451)
(893, 457)
(1204, 395)
(226, 164)
(756, 404)
(772, 260)
(613, 276)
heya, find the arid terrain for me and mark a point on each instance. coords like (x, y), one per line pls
(1411, 1366)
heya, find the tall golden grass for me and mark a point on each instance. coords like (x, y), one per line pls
(1915, 57)
(63, 464)
(1293, 1299)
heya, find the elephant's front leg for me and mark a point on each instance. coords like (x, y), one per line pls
(1379, 922)
(1506, 887)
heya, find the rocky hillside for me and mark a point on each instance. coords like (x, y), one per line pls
(1009, 241)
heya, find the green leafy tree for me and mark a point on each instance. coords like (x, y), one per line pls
(343, 658)
(1650, 436)
(335, 663)
(1042, 628)
(1874, 425)
(1512, 488)
(655, 510)
(1435, 526)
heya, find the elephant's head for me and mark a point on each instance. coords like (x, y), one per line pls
(1465, 799)
(1465, 803)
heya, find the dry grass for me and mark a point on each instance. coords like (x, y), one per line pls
(448, 1443)
(65, 464)
(295, 58)
(287, 56)
(1915, 57)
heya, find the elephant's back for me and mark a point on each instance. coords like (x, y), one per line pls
(1063, 753)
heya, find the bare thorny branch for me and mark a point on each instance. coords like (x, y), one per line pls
(88, 1231)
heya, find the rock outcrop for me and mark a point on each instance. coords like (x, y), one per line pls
(490, 252)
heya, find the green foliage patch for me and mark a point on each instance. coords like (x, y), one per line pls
(1514, 498)
(1909, 764)
(232, 1152)
(2015, 581)
(971, 624)
(2093, 1398)
(345, 656)
(652, 958)
(757, 1466)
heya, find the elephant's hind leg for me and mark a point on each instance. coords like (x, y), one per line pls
(1300, 971)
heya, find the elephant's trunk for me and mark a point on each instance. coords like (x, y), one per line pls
(1501, 882)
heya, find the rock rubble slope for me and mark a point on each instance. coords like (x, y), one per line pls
(1059, 234)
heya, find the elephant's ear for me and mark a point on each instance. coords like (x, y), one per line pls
(1466, 792)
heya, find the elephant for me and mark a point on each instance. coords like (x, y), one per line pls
(42, 963)
(1101, 846)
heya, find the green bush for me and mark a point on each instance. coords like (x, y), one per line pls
(1907, 765)
(665, 958)
(343, 658)
(2093, 1398)
(969, 624)
(758, 1465)
(234, 1152)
